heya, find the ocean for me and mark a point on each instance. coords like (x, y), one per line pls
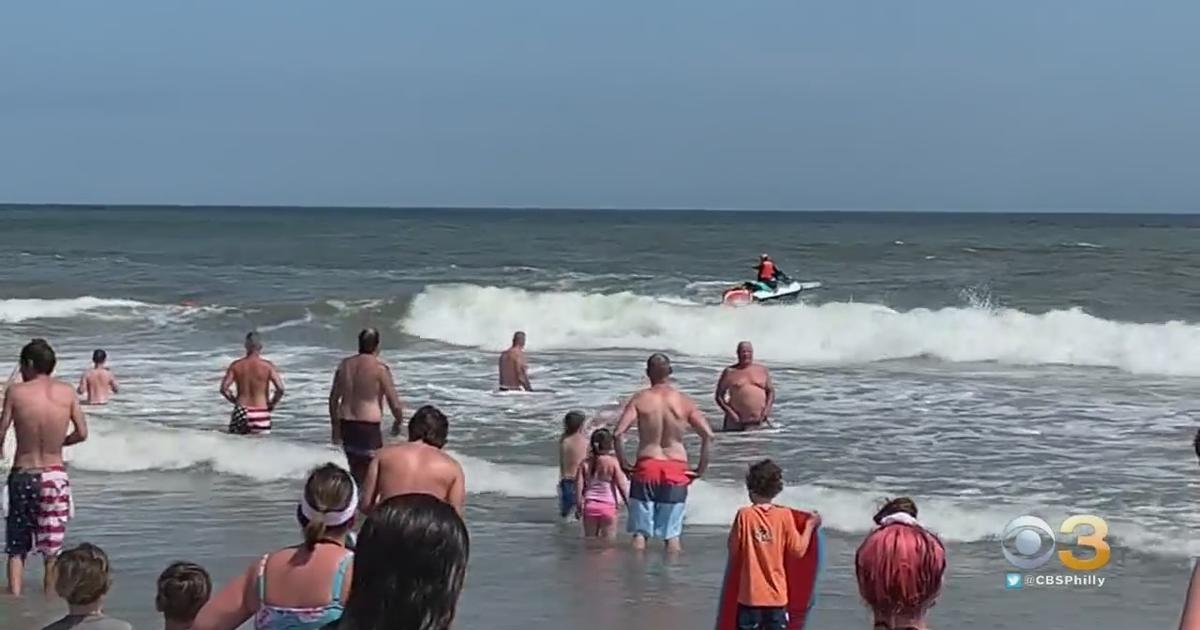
(987, 365)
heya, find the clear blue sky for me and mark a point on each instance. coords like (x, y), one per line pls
(947, 104)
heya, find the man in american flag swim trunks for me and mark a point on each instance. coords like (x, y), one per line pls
(254, 377)
(41, 410)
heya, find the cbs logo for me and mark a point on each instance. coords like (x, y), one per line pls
(1028, 542)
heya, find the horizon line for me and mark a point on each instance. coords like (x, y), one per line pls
(4, 205)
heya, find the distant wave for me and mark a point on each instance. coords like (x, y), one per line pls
(19, 310)
(831, 333)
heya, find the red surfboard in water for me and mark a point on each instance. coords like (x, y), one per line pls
(802, 575)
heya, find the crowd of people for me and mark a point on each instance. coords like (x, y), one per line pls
(409, 498)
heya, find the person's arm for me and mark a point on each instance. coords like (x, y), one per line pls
(700, 426)
(523, 374)
(628, 416)
(226, 383)
(277, 382)
(370, 488)
(580, 478)
(233, 605)
(82, 383)
(335, 401)
(719, 396)
(393, 400)
(6, 417)
(769, 387)
(800, 543)
(622, 484)
(457, 495)
(79, 428)
(1191, 607)
(112, 383)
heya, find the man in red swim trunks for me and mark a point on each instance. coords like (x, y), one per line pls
(659, 481)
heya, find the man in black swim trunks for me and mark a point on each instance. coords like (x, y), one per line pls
(360, 385)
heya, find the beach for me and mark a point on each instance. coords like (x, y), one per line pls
(988, 366)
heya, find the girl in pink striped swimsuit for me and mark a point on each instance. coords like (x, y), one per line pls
(601, 487)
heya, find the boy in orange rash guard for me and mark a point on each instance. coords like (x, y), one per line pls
(762, 536)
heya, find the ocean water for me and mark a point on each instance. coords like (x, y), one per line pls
(987, 365)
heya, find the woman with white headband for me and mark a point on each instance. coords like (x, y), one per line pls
(302, 587)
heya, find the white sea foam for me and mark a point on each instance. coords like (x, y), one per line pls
(831, 333)
(14, 311)
(19, 310)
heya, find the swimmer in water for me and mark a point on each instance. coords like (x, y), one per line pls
(745, 392)
(572, 450)
(514, 370)
(254, 377)
(601, 488)
(98, 383)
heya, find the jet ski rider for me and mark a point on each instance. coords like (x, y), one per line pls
(768, 273)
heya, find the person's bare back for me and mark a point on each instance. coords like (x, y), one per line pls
(41, 412)
(420, 466)
(514, 370)
(40, 409)
(659, 480)
(362, 382)
(572, 450)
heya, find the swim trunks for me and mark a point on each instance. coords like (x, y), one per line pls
(658, 492)
(566, 497)
(360, 440)
(250, 420)
(39, 506)
(732, 426)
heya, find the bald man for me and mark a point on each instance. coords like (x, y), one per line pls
(514, 371)
(745, 392)
(660, 478)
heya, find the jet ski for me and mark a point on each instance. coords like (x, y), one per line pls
(761, 293)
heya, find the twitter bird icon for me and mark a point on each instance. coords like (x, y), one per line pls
(1013, 580)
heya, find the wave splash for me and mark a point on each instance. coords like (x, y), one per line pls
(801, 334)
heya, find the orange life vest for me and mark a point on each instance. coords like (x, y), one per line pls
(766, 271)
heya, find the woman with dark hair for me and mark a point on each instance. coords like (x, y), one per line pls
(900, 567)
(301, 587)
(412, 559)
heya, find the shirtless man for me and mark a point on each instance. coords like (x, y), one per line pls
(659, 481)
(514, 371)
(40, 409)
(745, 392)
(98, 383)
(254, 377)
(360, 385)
(418, 466)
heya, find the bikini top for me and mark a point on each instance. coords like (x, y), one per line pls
(271, 617)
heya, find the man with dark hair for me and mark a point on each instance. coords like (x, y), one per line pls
(98, 383)
(762, 536)
(183, 589)
(360, 386)
(659, 481)
(514, 370)
(418, 466)
(40, 410)
(254, 377)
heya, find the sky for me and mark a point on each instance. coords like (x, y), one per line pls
(929, 104)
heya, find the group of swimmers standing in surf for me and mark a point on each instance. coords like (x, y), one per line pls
(899, 566)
